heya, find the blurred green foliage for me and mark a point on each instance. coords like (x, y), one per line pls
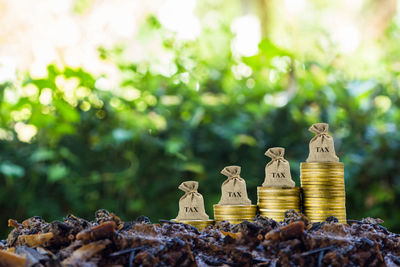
(127, 149)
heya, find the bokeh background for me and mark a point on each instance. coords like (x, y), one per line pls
(112, 104)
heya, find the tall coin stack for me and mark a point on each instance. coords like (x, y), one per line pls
(323, 190)
(273, 202)
(278, 192)
(322, 178)
(234, 205)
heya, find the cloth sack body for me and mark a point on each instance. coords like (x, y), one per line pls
(322, 147)
(233, 189)
(191, 204)
(277, 171)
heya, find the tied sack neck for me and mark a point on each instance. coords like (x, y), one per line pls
(190, 189)
(233, 173)
(276, 154)
(321, 131)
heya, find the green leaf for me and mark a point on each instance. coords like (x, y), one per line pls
(10, 169)
(42, 154)
(121, 135)
(57, 172)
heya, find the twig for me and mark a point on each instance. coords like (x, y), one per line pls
(320, 257)
(125, 251)
(316, 251)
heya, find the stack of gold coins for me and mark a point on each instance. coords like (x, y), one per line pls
(273, 202)
(323, 190)
(199, 224)
(234, 213)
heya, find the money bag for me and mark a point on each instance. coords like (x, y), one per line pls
(191, 204)
(233, 189)
(322, 148)
(277, 171)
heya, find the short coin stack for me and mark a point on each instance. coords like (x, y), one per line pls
(199, 224)
(234, 213)
(273, 202)
(323, 190)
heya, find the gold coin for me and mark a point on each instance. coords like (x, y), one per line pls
(316, 203)
(321, 174)
(327, 184)
(306, 172)
(323, 183)
(310, 170)
(235, 211)
(235, 214)
(324, 200)
(322, 178)
(278, 188)
(322, 169)
(235, 208)
(279, 207)
(267, 200)
(219, 217)
(307, 188)
(288, 191)
(288, 207)
(279, 197)
(322, 207)
(324, 190)
(324, 204)
(307, 164)
(316, 194)
(312, 197)
(272, 215)
(233, 218)
(278, 202)
(276, 211)
(325, 212)
(272, 196)
(324, 196)
(292, 200)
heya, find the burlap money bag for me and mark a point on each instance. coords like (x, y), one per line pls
(322, 147)
(277, 171)
(191, 204)
(233, 189)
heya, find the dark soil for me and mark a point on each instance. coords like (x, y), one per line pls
(107, 241)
